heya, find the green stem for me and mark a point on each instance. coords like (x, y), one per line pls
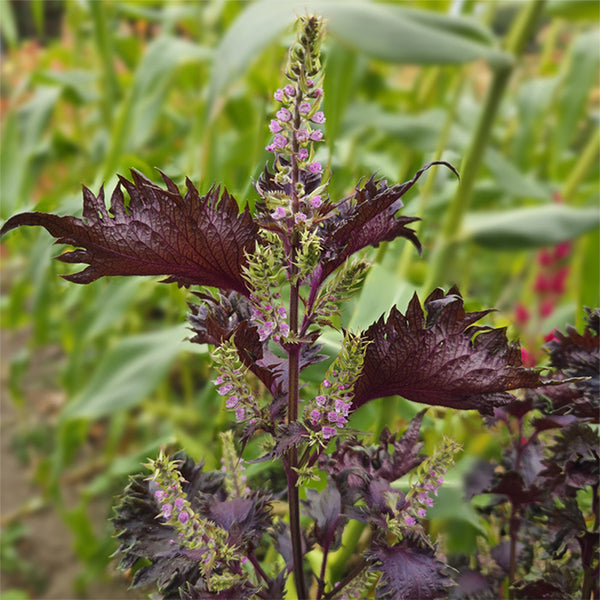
(408, 251)
(103, 37)
(338, 562)
(445, 247)
(588, 158)
(354, 572)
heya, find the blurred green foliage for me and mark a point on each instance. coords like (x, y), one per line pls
(187, 87)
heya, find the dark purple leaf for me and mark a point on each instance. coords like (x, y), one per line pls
(512, 486)
(409, 571)
(287, 436)
(501, 554)
(194, 240)
(365, 218)
(245, 519)
(573, 461)
(283, 543)
(324, 507)
(479, 479)
(441, 360)
(541, 589)
(215, 319)
(471, 585)
(553, 422)
(578, 355)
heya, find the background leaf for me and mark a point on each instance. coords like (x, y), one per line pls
(532, 227)
(127, 374)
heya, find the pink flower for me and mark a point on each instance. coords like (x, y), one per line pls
(546, 308)
(326, 383)
(232, 402)
(279, 213)
(240, 413)
(562, 250)
(289, 90)
(167, 509)
(321, 400)
(342, 407)
(316, 201)
(224, 389)
(421, 512)
(303, 154)
(304, 108)
(278, 95)
(332, 417)
(318, 117)
(265, 331)
(279, 141)
(283, 114)
(410, 521)
(315, 167)
(316, 135)
(299, 218)
(318, 92)
(315, 416)
(179, 503)
(558, 281)
(545, 258)
(541, 284)
(183, 517)
(521, 314)
(275, 126)
(527, 359)
(302, 135)
(329, 432)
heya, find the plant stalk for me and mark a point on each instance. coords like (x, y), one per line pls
(445, 247)
(103, 36)
(294, 375)
(408, 250)
(588, 159)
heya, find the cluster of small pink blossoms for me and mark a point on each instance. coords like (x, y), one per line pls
(548, 288)
(270, 318)
(431, 477)
(329, 410)
(232, 383)
(193, 531)
(293, 126)
(294, 131)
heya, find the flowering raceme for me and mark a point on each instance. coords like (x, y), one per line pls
(278, 279)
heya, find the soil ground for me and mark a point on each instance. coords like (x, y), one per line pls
(47, 564)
